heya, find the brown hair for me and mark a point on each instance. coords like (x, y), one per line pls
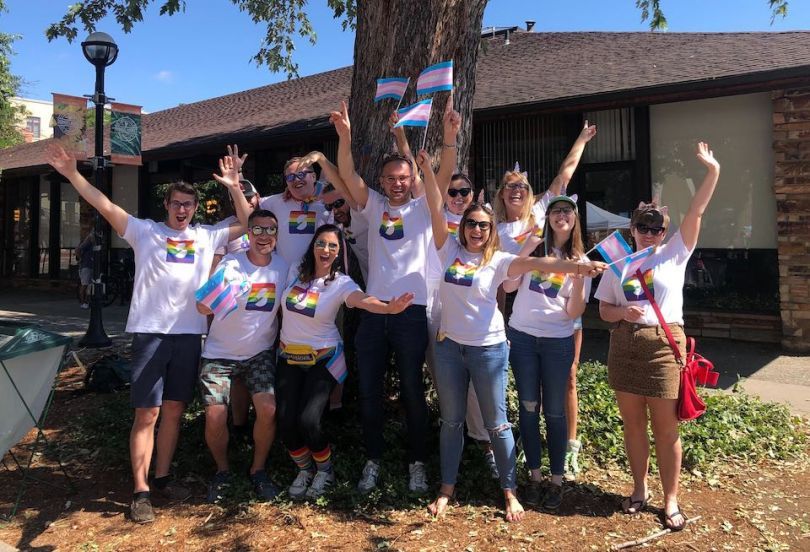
(183, 188)
(573, 248)
(395, 158)
(650, 214)
(493, 242)
(500, 206)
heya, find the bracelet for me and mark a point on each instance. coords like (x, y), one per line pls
(450, 145)
(578, 265)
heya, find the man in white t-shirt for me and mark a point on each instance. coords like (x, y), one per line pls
(172, 259)
(399, 242)
(240, 345)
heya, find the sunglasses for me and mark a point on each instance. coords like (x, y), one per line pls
(562, 210)
(484, 225)
(652, 230)
(321, 244)
(463, 192)
(337, 204)
(187, 205)
(292, 177)
(516, 186)
(259, 230)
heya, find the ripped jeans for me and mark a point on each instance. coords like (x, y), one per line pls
(487, 368)
(542, 366)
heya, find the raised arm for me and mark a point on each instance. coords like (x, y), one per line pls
(65, 165)
(449, 157)
(690, 226)
(360, 300)
(571, 161)
(404, 149)
(354, 183)
(435, 200)
(229, 177)
(332, 175)
(522, 265)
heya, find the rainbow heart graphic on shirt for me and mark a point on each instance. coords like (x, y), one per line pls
(302, 222)
(391, 228)
(633, 290)
(460, 274)
(550, 287)
(302, 300)
(179, 251)
(452, 228)
(262, 297)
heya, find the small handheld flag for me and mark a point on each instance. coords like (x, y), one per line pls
(417, 114)
(393, 88)
(634, 261)
(435, 78)
(219, 294)
(613, 248)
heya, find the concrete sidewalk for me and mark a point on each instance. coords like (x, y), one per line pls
(767, 372)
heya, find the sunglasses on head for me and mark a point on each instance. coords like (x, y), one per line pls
(337, 204)
(652, 230)
(463, 192)
(301, 175)
(484, 225)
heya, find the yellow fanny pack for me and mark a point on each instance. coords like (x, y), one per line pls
(297, 353)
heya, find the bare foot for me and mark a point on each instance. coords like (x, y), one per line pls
(438, 507)
(514, 511)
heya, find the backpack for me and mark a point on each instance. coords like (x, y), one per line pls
(109, 373)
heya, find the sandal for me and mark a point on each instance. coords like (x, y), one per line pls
(433, 507)
(670, 524)
(633, 507)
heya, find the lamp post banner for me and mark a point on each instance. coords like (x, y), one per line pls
(125, 134)
(69, 124)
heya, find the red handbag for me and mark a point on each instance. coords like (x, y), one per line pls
(696, 369)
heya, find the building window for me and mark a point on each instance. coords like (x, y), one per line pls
(33, 126)
(616, 140)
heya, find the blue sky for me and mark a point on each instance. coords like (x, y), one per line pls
(205, 52)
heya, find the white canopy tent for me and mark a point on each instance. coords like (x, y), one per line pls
(599, 219)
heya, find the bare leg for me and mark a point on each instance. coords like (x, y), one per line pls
(216, 434)
(168, 432)
(514, 511)
(664, 415)
(633, 409)
(240, 402)
(141, 443)
(438, 507)
(264, 430)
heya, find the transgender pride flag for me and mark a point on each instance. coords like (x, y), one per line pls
(633, 262)
(393, 88)
(218, 294)
(417, 114)
(435, 78)
(613, 248)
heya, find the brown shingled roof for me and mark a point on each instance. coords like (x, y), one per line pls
(534, 68)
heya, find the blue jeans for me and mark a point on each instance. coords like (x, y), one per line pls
(406, 335)
(542, 366)
(487, 368)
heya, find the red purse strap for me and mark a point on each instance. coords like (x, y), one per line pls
(661, 321)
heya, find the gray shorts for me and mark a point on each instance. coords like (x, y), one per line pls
(258, 372)
(165, 367)
(85, 276)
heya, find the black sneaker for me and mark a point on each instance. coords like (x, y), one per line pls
(218, 486)
(140, 511)
(262, 486)
(531, 494)
(169, 490)
(553, 497)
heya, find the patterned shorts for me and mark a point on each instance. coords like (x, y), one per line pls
(258, 373)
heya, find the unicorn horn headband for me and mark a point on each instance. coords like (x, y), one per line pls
(524, 174)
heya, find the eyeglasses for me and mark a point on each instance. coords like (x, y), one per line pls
(516, 186)
(463, 192)
(187, 205)
(337, 204)
(321, 244)
(394, 179)
(562, 210)
(484, 225)
(301, 175)
(259, 230)
(652, 230)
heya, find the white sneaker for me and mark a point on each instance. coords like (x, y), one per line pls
(320, 483)
(299, 486)
(418, 478)
(85, 306)
(368, 481)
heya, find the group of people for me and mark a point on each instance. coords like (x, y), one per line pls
(439, 269)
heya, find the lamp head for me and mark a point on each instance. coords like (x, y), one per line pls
(100, 49)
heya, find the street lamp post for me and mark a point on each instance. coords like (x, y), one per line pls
(100, 50)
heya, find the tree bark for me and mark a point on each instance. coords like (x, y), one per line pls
(436, 30)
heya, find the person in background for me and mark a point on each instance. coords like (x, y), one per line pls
(84, 254)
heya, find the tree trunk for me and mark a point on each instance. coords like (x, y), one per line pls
(436, 30)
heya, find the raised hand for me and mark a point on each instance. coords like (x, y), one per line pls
(310, 159)
(587, 132)
(401, 303)
(229, 173)
(233, 152)
(393, 119)
(451, 119)
(423, 161)
(706, 156)
(340, 119)
(59, 159)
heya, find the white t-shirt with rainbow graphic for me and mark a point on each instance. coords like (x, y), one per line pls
(297, 222)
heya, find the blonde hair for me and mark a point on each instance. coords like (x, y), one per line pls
(493, 242)
(500, 206)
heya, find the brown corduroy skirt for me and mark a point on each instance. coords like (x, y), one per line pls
(640, 360)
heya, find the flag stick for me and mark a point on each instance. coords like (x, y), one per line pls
(424, 137)
(399, 103)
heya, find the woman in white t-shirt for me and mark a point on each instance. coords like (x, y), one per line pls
(641, 365)
(312, 360)
(471, 344)
(541, 337)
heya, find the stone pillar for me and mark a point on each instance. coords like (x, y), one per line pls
(791, 135)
